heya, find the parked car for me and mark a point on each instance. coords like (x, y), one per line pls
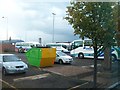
(12, 64)
(61, 58)
(21, 50)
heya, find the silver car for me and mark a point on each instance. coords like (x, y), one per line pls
(63, 58)
(10, 63)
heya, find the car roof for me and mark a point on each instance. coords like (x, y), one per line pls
(60, 52)
(5, 54)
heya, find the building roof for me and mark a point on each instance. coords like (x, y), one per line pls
(11, 41)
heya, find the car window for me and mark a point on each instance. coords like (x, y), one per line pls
(0, 58)
(61, 54)
(10, 58)
(57, 55)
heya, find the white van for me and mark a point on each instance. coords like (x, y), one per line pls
(59, 47)
(25, 46)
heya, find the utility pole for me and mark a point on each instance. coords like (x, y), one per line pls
(53, 26)
(6, 27)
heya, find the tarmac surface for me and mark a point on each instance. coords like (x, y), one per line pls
(77, 75)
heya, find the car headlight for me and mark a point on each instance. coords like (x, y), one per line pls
(71, 59)
(26, 66)
(9, 66)
(66, 59)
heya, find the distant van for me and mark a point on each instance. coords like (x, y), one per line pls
(25, 46)
(58, 46)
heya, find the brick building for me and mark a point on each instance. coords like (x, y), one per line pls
(8, 46)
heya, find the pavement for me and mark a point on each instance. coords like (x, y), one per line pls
(105, 79)
(70, 70)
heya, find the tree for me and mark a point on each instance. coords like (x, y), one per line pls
(94, 20)
(117, 10)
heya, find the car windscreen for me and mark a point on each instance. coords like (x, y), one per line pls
(10, 58)
(61, 53)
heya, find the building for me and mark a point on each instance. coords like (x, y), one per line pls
(8, 45)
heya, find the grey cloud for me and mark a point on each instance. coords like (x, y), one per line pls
(37, 17)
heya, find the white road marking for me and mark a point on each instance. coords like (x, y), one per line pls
(32, 77)
(114, 85)
(84, 66)
(77, 86)
(54, 72)
(93, 65)
(8, 84)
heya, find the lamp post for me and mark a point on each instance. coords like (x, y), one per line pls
(6, 27)
(53, 26)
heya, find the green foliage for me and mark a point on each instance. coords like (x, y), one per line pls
(117, 20)
(94, 20)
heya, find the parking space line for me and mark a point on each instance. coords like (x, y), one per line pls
(78, 86)
(114, 85)
(93, 65)
(84, 66)
(8, 84)
(54, 72)
(57, 73)
(32, 77)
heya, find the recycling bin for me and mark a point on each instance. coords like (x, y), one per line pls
(41, 57)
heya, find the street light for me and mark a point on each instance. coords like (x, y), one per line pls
(53, 26)
(6, 26)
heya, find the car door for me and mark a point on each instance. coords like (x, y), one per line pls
(0, 61)
(57, 58)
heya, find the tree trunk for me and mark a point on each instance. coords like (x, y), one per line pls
(107, 59)
(95, 66)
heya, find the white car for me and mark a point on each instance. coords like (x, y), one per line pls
(63, 58)
(10, 63)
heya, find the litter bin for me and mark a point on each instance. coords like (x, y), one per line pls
(41, 57)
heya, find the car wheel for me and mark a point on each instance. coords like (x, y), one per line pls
(19, 50)
(4, 71)
(60, 61)
(113, 57)
(81, 55)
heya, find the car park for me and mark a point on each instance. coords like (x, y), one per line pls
(12, 64)
(61, 58)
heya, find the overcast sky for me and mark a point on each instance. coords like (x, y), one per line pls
(32, 19)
